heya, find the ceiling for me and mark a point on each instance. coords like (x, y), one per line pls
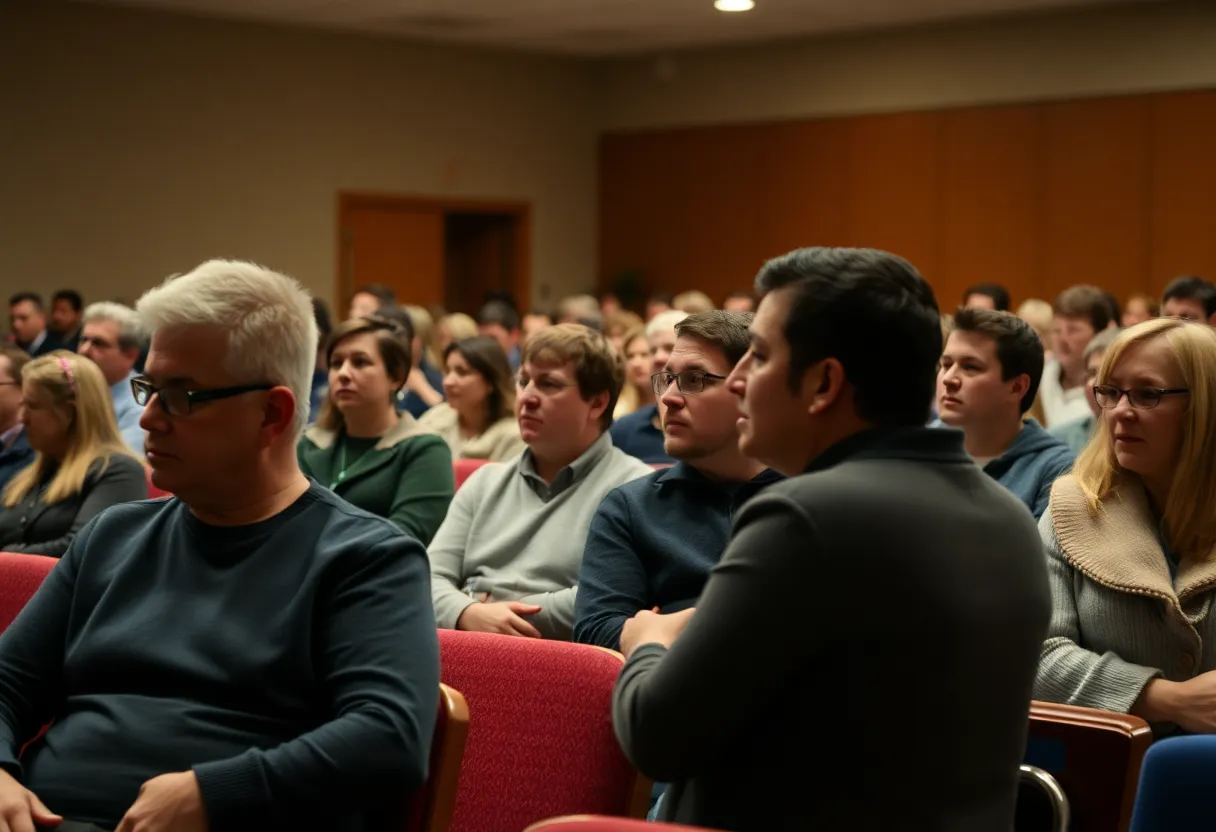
(599, 28)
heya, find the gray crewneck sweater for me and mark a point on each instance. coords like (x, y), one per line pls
(516, 538)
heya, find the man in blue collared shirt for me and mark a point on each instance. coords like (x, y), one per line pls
(112, 338)
(654, 540)
(15, 451)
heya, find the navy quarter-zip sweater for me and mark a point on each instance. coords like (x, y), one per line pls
(652, 543)
(292, 664)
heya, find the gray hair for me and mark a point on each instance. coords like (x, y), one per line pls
(1101, 342)
(130, 327)
(267, 317)
(664, 322)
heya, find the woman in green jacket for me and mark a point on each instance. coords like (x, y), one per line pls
(362, 448)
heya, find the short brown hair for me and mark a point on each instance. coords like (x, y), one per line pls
(17, 359)
(1018, 347)
(394, 344)
(1088, 302)
(728, 331)
(597, 366)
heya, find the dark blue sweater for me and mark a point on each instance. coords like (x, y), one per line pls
(292, 664)
(637, 436)
(1030, 465)
(651, 544)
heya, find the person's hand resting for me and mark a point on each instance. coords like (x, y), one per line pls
(1191, 705)
(20, 808)
(650, 627)
(505, 617)
(168, 803)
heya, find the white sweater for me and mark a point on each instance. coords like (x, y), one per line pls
(512, 536)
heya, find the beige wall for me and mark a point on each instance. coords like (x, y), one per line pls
(1142, 48)
(134, 145)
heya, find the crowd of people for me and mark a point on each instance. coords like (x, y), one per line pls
(825, 492)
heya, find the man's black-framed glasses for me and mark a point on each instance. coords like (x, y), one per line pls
(1142, 398)
(179, 402)
(689, 381)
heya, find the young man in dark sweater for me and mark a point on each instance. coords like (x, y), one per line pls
(253, 654)
(888, 583)
(653, 541)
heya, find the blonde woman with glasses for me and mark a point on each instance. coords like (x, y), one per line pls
(1131, 538)
(81, 464)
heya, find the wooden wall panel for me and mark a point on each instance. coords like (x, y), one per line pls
(893, 195)
(1183, 185)
(988, 215)
(1095, 195)
(1120, 192)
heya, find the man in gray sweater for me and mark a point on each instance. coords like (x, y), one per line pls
(862, 656)
(507, 556)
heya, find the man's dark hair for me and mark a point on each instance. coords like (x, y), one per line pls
(32, 297)
(998, 293)
(1116, 308)
(499, 312)
(728, 331)
(1190, 287)
(380, 292)
(1088, 302)
(872, 312)
(71, 296)
(1018, 346)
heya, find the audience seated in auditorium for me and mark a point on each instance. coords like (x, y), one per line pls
(1190, 297)
(889, 580)
(255, 654)
(1138, 309)
(112, 338)
(739, 302)
(989, 375)
(65, 318)
(424, 387)
(499, 320)
(15, 450)
(620, 324)
(640, 434)
(27, 317)
(653, 540)
(637, 391)
(81, 464)
(534, 322)
(986, 296)
(1077, 433)
(477, 419)
(657, 304)
(320, 373)
(1131, 538)
(361, 448)
(581, 309)
(370, 299)
(692, 301)
(1080, 313)
(454, 327)
(506, 559)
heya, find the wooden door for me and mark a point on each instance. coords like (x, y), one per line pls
(400, 247)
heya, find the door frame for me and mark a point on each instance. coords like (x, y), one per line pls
(521, 278)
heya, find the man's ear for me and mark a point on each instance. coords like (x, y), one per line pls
(823, 383)
(1021, 385)
(279, 413)
(598, 403)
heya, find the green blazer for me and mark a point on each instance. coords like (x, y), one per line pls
(407, 477)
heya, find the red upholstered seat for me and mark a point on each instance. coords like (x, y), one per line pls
(540, 738)
(599, 823)
(20, 577)
(463, 468)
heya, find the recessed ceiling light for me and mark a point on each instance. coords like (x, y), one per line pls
(734, 5)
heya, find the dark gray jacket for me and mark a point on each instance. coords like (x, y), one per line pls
(861, 658)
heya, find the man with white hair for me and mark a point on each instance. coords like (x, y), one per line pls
(252, 654)
(112, 338)
(640, 434)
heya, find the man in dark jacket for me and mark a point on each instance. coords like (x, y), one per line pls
(875, 623)
(989, 376)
